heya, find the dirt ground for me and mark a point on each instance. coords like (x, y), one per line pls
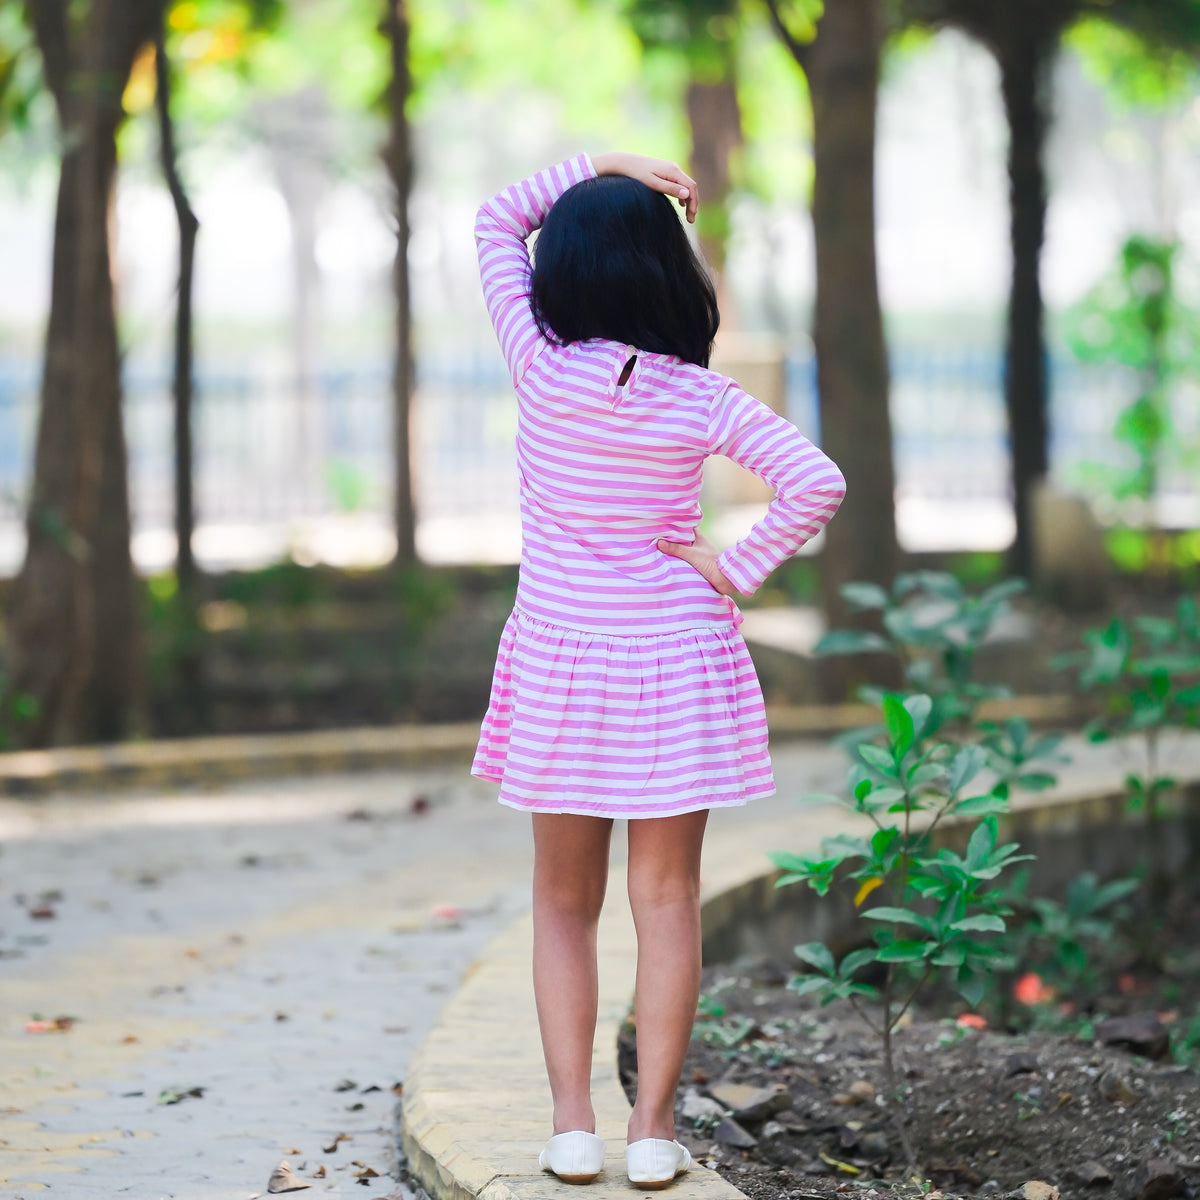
(987, 1112)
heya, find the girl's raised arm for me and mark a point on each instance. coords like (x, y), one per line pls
(501, 228)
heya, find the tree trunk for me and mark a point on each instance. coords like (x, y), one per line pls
(187, 661)
(398, 157)
(842, 65)
(73, 623)
(716, 126)
(1025, 57)
(185, 563)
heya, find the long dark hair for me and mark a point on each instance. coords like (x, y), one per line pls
(613, 261)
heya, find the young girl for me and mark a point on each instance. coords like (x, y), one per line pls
(622, 686)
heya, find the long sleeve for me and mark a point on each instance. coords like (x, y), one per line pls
(809, 487)
(501, 227)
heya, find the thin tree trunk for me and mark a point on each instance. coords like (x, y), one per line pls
(73, 621)
(398, 157)
(185, 564)
(188, 662)
(852, 368)
(1024, 66)
(716, 126)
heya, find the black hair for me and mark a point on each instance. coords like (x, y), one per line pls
(613, 261)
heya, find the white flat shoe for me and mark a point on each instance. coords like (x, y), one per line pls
(654, 1162)
(575, 1157)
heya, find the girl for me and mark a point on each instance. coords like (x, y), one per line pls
(622, 687)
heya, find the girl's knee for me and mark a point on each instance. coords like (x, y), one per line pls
(570, 895)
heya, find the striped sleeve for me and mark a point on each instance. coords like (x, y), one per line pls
(808, 485)
(501, 227)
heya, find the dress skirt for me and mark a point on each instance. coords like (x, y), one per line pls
(607, 726)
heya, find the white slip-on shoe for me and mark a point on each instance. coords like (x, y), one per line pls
(575, 1157)
(654, 1162)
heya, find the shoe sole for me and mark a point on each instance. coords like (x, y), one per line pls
(655, 1184)
(573, 1178)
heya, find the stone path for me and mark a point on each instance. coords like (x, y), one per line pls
(267, 943)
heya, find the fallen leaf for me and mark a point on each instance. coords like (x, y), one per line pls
(319, 1173)
(173, 1095)
(332, 1147)
(418, 805)
(360, 814)
(346, 1085)
(284, 1179)
(42, 913)
(838, 1164)
(130, 1039)
(56, 1025)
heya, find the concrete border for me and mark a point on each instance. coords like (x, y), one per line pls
(171, 762)
(476, 1104)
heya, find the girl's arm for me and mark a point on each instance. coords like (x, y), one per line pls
(506, 220)
(501, 227)
(809, 487)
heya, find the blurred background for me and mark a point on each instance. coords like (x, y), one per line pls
(273, 485)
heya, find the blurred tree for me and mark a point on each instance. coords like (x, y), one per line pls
(73, 620)
(1024, 35)
(705, 33)
(399, 159)
(839, 49)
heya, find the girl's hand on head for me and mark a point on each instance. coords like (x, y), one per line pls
(702, 555)
(658, 173)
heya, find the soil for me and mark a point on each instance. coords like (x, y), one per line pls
(987, 1112)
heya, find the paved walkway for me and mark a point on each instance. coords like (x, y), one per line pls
(280, 947)
(267, 943)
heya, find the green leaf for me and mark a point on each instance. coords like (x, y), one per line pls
(965, 765)
(899, 724)
(818, 955)
(953, 955)
(864, 595)
(970, 984)
(904, 951)
(980, 923)
(978, 806)
(1036, 781)
(851, 641)
(856, 960)
(787, 861)
(919, 707)
(805, 984)
(879, 758)
(890, 913)
(981, 844)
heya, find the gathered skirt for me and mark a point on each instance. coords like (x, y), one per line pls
(646, 726)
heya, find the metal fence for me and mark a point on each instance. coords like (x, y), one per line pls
(269, 451)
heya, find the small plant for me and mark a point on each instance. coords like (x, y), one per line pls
(943, 911)
(1135, 318)
(1148, 672)
(935, 627)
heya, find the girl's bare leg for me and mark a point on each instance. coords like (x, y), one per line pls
(570, 872)
(664, 893)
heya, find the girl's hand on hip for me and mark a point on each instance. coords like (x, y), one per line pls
(702, 555)
(658, 173)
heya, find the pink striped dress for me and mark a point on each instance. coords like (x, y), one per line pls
(622, 685)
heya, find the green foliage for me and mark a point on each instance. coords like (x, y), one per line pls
(935, 627)
(944, 910)
(1147, 671)
(1134, 71)
(1063, 941)
(1135, 318)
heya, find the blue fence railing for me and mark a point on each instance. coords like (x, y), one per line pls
(268, 448)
